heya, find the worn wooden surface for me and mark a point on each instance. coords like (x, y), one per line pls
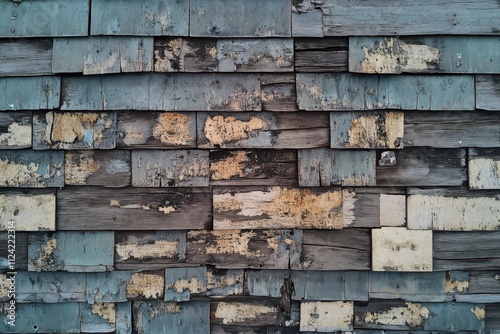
(254, 313)
(21, 243)
(93, 208)
(484, 168)
(25, 57)
(15, 129)
(307, 19)
(278, 92)
(487, 90)
(37, 93)
(321, 54)
(181, 283)
(317, 316)
(99, 317)
(176, 54)
(29, 211)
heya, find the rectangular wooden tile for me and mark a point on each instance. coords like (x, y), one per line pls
(453, 210)
(181, 283)
(255, 312)
(307, 19)
(277, 207)
(253, 167)
(225, 282)
(15, 129)
(149, 250)
(21, 256)
(392, 210)
(44, 19)
(97, 168)
(278, 92)
(270, 282)
(317, 316)
(36, 93)
(31, 169)
(343, 92)
(101, 55)
(107, 287)
(176, 54)
(97, 318)
(71, 251)
(422, 166)
(399, 249)
(124, 318)
(492, 318)
(28, 211)
(25, 57)
(328, 54)
(487, 90)
(367, 130)
(221, 19)
(179, 168)
(74, 130)
(140, 18)
(146, 285)
(94, 208)
(263, 130)
(484, 168)
(327, 167)
(474, 286)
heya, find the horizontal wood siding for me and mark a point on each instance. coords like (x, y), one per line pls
(15, 129)
(25, 57)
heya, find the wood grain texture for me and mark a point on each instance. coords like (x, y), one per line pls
(492, 320)
(176, 54)
(21, 249)
(37, 93)
(329, 54)
(15, 129)
(181, 283)
(484, 168)
(278, 92)
(250, 313)
(487, 91)
(93, 208)
(25, 57)
(316, 316)
(33, 210)
(307, 19)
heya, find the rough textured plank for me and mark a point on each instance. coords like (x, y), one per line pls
(263, 130)
(30, 211)
(278, 92)
(21, 249)
(228, 329)
(329, 54)
(250, 313)
(276, 207)
(185, 55)
(74, 130)
(335, 250)
(327, 167)
(484, 168)
(487, 91)
(70, 251)
(140, 18)
(107, 287)
(124, 318)
(220, 19)
(317, 316)
(92, 208)
(307, 19)
(97, 318)
(36, 93)
(452, 129)
(44, 18)
(362, 130)
(492, 319)
(422, 166)
(392, 210)
(341, 18)
(15, 129)
(97, 168)
(149, 250)
(181, 283)
(25, 57)
(255, 167)
(29, 169)
(361, 92)
(170, 168)
(399, 249)
(156, 130)
(225, 282)
(101, 55)
(165, 92)
(146, 285)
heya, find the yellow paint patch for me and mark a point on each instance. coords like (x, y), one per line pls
(166, 209)
(383, 59)
(456, 285)
(149, 286)
(173, 128)
(229, 167)
(15, 175)
(415, 57)
(479, 313)
(105, 311)
(226, 202)
(413, 315)
(158, 249)
(16, 135)
(242, 313)
(79, 166)
(192, 285)
(221, 130)
(114, 203)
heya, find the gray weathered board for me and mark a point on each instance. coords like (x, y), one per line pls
(15, 129)
(155, 91)
(329, 54)
(263, 130)
(93, 208)
(484, 168)
(487, 91)
(176, 54)
(21, 243)
(25, 57)
(307, 19)
(257, 312)
(473, 282)
(97, 318)
(180, 283)
(36, 93)
(278, 92)
(492, 319)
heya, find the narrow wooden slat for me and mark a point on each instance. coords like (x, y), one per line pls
(124, 318)
(329, 54)
(484, 168)
(278, 92)
(28, 211)
(316, 316)
(487, 90)
(307, 19)
(492, 320)
(21, 256)
(263, 312)
(36, 93)
(15, 129)
(25, 57)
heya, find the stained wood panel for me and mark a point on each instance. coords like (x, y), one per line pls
(307, 19)
(175, 54)
(484, 168)
(28, 211)
(21, 250)
(316, 316)
(278, 92)
(37, 93)
(329, 54)
(25, 57)
(15, 129)
(255, 312)
(487, 90)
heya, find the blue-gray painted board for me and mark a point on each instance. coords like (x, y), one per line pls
(44, 18)
(326, 285)
(99, 318)
(364, 18)
(454, 317)
(124, 318)
(240, 18)
(140, 18)
(488, 92)
(25, 57)
(50, 287)
(180, 283)
(372, 92)
(30, 93)
(268, 283)
(307, 19)
(356, 285)
(107, 287)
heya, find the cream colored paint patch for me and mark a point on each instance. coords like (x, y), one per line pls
(326, 316)
(392, 210)
(454, 285)
(170, 307)
(173, 128)
(394, 129)
(221, 130)
(484, 173)
(158, 249)
(166, 209)
(453, 213)
(242, 313)
(192, 285)
(399, 249)
(413, 315)
(417, 57)
(168, 54)
(149, 286)
(230, 167)
(29, 212)
(383, 59)
(16, 175)
(4, 287)
(79, 166)
(105, 311)
(348, 204)
(45, 255)
(16, 135)
(479, 313)
(232, 242)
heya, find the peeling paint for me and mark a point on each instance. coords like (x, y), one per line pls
(226, 202)
(78, 167)
(326, 316)
(413, 315)
(157, 249)
(484, 173)
(169, 307)
(229, 167)
(231, 283)
(166, 209)
(374, 131)
(241, 313)
(147, 286)
(114, 203)
(16, 135)
(415, 57)
(17, 174)
(220, 130)
(348, 204)
(193, 285)
(4, 287)
(30, 212)
(105, 311)
(455, 285)
(383, 59)
(173, 128)
(46, 255)
(479, 313)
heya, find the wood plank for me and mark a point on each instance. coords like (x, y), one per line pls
(44, 19)
(492, 319)
(149, 250)
(181, 283)
(271, 249)
(453, 210)
(442, 54)
(253, 167)
(276, 207)
(163, 92)
(452, 129)
(270, 283)
(28, 211)
(255, 312)
(15, 129)
(180, 168)
(422, 166)
(106, 287)
(97, 168)
(359, 18)
(367, 130)
(317, 316)
(487, 90)
(97, 318)
(307, 19)
(347, 249)
(225, 282)
(93, 208)
(74, 130)
(345, 91)
(124, 318)
(36, 93)
(156, 129)
(327, 167)
(146, 285)
(31, 169)
(484, 168)
(71, 251)
(228, 329)
(175, 54)
(140, 18)
(328, 54)
(101, 55)
(483, 282)
(278, 92)
(220, 19)
(25, 57)
(21, 258)
(336, 285)
(263, 130)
